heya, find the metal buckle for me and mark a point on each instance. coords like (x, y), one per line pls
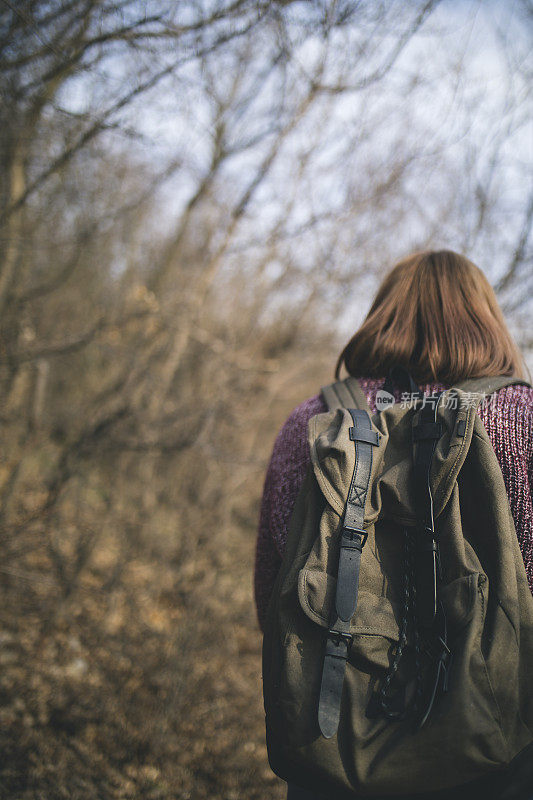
(348, 533)
(338, 635)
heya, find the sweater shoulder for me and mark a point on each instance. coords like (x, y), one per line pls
(294, 429)
(507, 415)
(511, 402)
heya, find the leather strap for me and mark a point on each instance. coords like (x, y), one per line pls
(335, 657)
(352, 540)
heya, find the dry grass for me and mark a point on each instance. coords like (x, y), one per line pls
(130, 656)
(153, 690)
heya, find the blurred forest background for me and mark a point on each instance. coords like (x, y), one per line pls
(198, 199)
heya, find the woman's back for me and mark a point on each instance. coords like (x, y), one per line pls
(435, 316)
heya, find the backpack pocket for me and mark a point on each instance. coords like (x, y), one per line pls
(380, 615)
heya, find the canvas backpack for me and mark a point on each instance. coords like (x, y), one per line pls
(398, 644)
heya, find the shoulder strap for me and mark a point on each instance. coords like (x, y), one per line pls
(489, 385)
(352, 539)
(348, 393)
(345, 394)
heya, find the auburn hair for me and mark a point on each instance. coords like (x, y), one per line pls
(436, 314)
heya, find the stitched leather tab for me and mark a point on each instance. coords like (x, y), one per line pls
(361, 435)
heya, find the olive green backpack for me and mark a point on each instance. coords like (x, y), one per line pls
(398, 646)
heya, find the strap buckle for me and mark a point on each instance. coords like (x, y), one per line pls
(356, 536)
(337, 636)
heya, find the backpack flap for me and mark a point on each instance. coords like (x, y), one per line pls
(392, 488)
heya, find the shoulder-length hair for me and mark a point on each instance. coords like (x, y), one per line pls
(436, 314)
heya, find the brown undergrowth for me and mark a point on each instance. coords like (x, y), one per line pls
(151, 690)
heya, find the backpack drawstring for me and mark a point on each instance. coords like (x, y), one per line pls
(392, 704)
(388, 700)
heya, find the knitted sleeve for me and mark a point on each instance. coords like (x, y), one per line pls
(508, 420)
(285, 474)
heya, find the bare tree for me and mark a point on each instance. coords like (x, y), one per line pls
(197, 199)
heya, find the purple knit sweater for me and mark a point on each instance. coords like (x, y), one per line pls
(508, 419)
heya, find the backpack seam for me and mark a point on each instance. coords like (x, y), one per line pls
(462, 445)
